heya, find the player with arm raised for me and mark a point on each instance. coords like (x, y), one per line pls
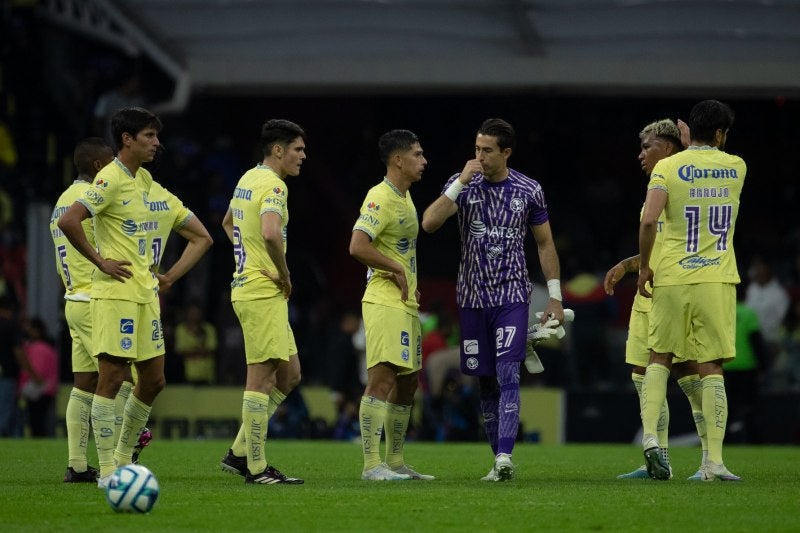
(659, 139)
(496, 206)
(692, 281)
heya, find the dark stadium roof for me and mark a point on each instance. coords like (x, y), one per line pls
(737, 47)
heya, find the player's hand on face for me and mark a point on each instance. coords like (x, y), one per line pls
(613, 276)
(645, 277)
(284, 284)
(115, 269)
(472, 167)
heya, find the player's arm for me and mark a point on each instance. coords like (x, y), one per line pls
(551, 268)
(618, 271)
(199, 242)
(70, 225)
(362, 249)
(648, 227)
(227, 224)
(272, 233)
(445, 206)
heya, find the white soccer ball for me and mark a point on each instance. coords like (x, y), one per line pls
(132, 489)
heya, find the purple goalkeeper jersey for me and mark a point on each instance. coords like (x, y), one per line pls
(494, 218)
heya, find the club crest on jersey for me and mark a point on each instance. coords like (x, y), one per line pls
(126, 326)
(404, 354)
(372, 206)
(126, 343)
(517, 204)
(472, 363)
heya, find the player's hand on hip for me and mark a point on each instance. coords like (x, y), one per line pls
(115, 269)
(645, 277)
(283, 283)
(400, 281)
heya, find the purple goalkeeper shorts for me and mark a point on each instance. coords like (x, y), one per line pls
(491, 335)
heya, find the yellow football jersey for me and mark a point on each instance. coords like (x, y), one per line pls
(703, 187)
(390, 220)
(640, 303)
(75, 270)
(167, 213)
(118, 202)
(259, 191)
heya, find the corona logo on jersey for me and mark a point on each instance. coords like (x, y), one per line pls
(690, 173)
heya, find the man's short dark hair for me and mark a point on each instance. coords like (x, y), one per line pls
(395, 140)
(707, 117)
(279, 131)
(500, 130)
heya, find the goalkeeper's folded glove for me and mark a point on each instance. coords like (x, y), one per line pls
(540, 332)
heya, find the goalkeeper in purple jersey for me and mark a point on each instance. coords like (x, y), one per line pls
(495, 206)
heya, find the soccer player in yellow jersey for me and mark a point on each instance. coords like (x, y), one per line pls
(76, 271)
(659, 139)
(256, 223)
(126, 319)
(693, 281)
(384, 238)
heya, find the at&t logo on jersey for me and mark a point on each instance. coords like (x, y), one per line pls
(403, 245)
(126, 326)
(129, 227)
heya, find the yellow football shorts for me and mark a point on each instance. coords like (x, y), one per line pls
(698, 319)
(266, 329)
(393, 336)
(127, 329)
(79, 320)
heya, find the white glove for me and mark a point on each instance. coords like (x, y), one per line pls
(539, 332)
(532, 361)
(569, 316)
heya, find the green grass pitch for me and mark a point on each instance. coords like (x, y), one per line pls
(557, 488)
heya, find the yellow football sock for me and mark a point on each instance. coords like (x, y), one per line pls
(119, 406)
(371, 415)
(133, 423)
(692, 387)
(395, 426)
(715, 412)
(254, 416)
(276, 397)
(239, 447)
(79, 412)
(654, 394)
(104, 433)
